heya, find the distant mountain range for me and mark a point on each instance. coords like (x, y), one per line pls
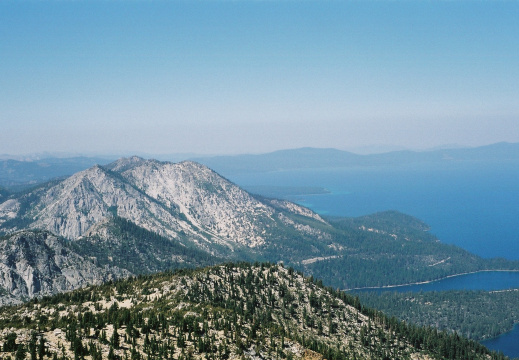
(17, 174)
(22, 173)
(312, 158)
(137, 216)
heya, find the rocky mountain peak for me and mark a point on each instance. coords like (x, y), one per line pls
(175, 200)
(207, 200)
(159, 212)
(123, 164)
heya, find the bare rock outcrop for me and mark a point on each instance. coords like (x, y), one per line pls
(37, 263)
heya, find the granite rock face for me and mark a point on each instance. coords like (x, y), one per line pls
(166, 198)
(205, 199)
(37, 263)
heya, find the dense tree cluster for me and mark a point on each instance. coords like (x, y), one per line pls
(473, 314)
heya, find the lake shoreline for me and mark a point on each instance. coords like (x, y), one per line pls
(504, 341)
(428, 281)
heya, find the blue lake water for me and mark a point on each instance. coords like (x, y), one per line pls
(474, 206)
(507, 343)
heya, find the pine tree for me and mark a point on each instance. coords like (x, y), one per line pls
(10, 342)
(20, 352)
(114, 341)
(103, 336)
(32, 346)
(111, 354)
(41, 348)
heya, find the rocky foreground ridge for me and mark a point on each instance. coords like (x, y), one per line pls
(232, 311)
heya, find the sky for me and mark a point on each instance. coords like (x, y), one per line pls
(229, 77)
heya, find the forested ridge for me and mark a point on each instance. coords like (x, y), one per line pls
(391, 248)
(222, 312)
(474, 314)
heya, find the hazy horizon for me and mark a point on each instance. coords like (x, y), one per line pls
(367, 150)
(236, 77)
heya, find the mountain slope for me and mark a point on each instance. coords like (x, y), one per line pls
(74, 206)
(186, 202)
(138, 250)
(477, 315)
(226, 312)
(206, 199)
(145, 216)
(39, 263)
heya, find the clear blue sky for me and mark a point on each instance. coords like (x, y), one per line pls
(256, 76)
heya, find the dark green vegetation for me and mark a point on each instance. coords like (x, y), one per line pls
(391, 248)
(140, 251)
(224, 312)
(474, 314)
